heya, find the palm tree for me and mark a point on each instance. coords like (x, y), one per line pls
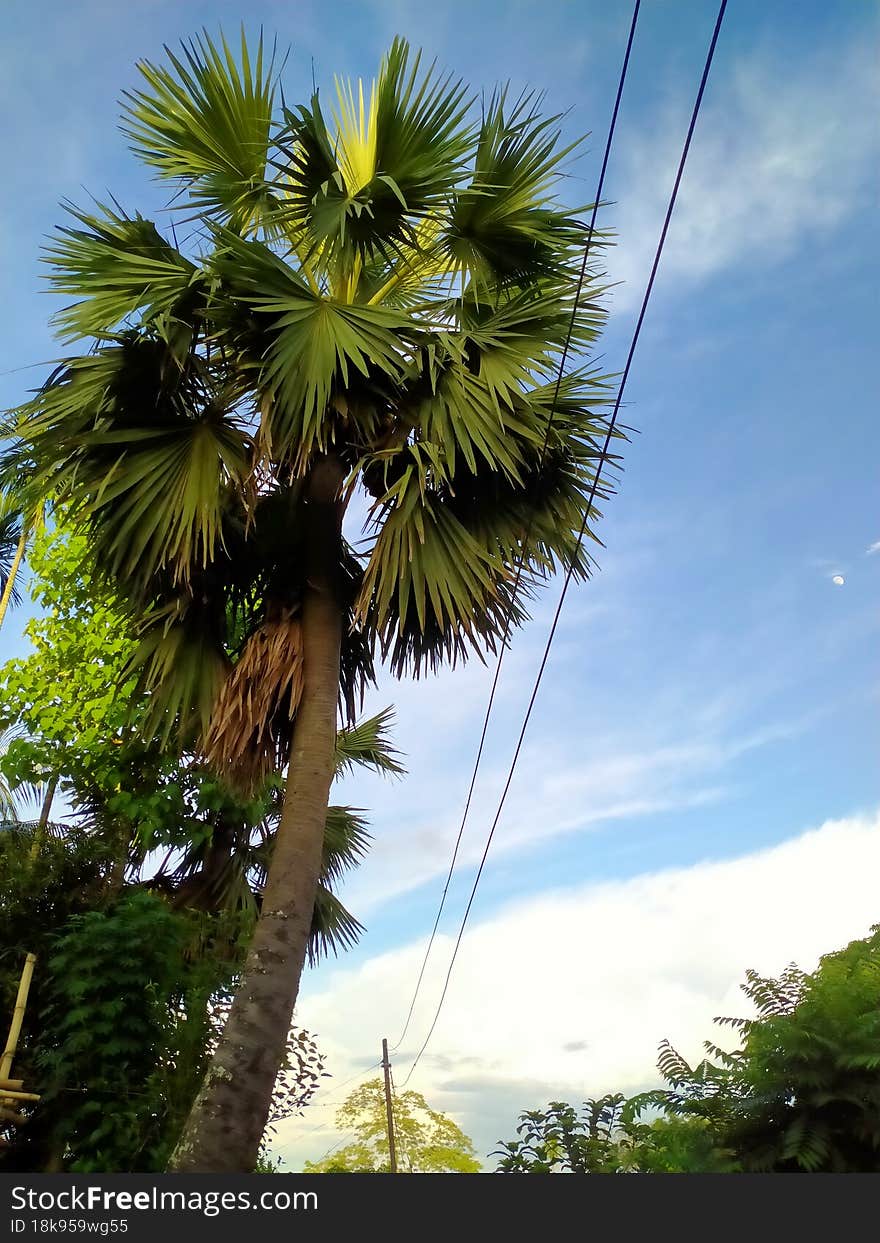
(357, 317)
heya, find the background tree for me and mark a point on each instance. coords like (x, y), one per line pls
(37, 897)
(607, 1136)
(427, 1142)
(121, 1023)
(372, 306)
(800, 1094)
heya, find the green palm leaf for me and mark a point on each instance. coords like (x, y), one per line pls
(115, 265)
(505, 226)
(334, 929)
(145, 452)
(431, 590)
(367, 744)
(206, 122)
(314, 344)
(392, 157)
(178, 669)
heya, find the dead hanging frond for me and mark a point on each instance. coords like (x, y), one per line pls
(249, 733)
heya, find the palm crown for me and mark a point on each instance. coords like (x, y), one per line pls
(393, 288)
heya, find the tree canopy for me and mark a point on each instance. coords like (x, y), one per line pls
(427, 1142)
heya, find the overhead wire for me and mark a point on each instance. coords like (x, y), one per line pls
(336, 1089)
(624, 377)
(522, 556)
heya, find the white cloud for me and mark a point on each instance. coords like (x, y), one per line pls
(567, 781)
(567, 994)
(779, 158)
(872, 548)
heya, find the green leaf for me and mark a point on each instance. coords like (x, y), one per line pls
(506, 225)
(115, 265)
(206, 121)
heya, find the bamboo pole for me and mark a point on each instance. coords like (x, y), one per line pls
(19, 1096)
(13, 569)
(24, 985)
(15, 1084)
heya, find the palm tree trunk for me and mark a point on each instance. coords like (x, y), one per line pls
(13, 569)
(43, 823)
(226, 1124)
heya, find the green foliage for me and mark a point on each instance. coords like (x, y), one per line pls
(606, 1137)
(674, 1145)
(38, 896)
(801, 1094)
(107, 1027)
(121, 265)
(207, 123)
(127, 1005)
(560, 1140)
(66, 698)
(427, 1142)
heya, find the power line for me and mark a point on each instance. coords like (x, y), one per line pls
(338, 1144)
(337, 1088)
(655, 265)
(521, 559)
(346, 1134)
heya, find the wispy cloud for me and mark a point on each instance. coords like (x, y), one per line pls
(565, 784)
(872, 548)
(778, 159)
(597, 974)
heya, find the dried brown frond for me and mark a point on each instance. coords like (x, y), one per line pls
(249, 732)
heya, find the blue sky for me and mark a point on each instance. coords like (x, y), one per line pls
(712, 695)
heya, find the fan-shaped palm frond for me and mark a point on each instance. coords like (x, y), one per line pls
(115, 265)
(505, 226)
(392, 159)
(334, 928)
(207, 122)
(367, 744)
(144, 446)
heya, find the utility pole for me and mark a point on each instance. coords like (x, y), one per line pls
(389, 1112)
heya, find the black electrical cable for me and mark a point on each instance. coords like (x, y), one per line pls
(521, 559)
(624, 377)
